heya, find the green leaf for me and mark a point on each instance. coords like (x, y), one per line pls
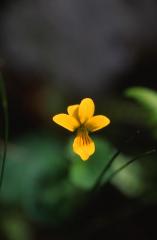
(148, 99)
(138, 179)
(130, 179)
(37, 180)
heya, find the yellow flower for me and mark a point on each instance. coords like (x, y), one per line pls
(80, 117)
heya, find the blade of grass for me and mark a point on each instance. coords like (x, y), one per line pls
(98, 181)
(113, 158)
(145, 154)
(4, 104)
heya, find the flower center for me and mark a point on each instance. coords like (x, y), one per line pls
(83, 134)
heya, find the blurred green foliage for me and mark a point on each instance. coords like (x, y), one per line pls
(16, 228)
(46, 182)
(36, 179)
(140, 178)
(147, 98)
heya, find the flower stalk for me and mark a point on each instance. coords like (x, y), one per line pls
(4, 103)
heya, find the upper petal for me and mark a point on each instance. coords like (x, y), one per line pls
(83, 146)
(73, 110)
(86, 109)
(66, 121)
(97, 122)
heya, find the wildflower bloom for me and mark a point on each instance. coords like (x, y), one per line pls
(80, 117)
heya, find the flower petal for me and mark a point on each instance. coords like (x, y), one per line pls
(83, 146)
(86, 109)
(97, 122)
(73, 110)
(66, 121)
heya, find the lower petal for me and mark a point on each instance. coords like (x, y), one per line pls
(83, 146)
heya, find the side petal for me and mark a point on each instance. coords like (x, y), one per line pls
(86, 109)
(66, 121)
(97, 122)
(73, 110)
(84, 146)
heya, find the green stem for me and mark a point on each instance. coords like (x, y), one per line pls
(5, 112)
(99, 179)
(145, 154)
(104, 171)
